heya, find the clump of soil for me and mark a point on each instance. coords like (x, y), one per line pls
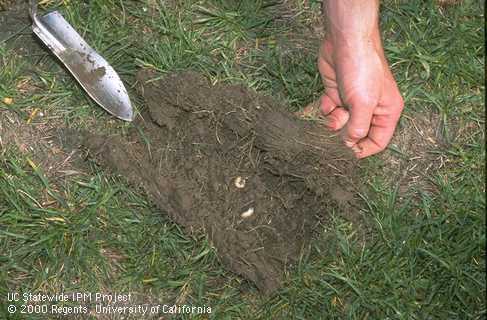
(229, 162)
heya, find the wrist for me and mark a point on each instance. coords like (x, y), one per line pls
(352, 22)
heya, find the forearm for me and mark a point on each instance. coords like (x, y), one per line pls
(351, 21)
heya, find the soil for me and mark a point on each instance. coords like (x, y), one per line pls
(233, 164)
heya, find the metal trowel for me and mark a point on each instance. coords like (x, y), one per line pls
(93, 72)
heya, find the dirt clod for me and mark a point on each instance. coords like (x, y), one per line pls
(234, 164)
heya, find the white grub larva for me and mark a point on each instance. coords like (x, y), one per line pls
(239, 182)
(249, 212)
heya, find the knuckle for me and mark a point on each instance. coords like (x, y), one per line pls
(357, 134)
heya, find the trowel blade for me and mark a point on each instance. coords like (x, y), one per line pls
(91, 70)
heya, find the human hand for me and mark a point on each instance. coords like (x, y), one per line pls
(361, 95)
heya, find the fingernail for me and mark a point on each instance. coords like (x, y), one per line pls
(349, 144)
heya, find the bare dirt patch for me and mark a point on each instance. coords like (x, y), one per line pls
(233, 164)
(414, 155)
(39, 142)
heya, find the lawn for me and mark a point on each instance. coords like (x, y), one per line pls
(416, 252)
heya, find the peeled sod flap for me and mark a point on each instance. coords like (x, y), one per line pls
(196, 140)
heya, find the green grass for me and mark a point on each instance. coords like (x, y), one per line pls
(423, 256)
